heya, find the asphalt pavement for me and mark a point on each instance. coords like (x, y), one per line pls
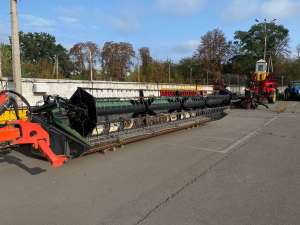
(243, 169)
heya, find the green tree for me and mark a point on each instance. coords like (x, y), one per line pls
(84, 55)
(36, 47)
(290, 69)
(249, 47)
(251, 42)
(189, 68)
(243, 64)
(39, 52)
(116, 60)
(212, 52)
(65, 64)
(159, 71)
(146, 64)
(6, 60)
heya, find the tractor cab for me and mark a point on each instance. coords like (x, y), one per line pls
(261, 71)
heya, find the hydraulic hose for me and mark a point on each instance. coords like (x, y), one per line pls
(13, 102)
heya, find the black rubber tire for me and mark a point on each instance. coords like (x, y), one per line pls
(272, 98)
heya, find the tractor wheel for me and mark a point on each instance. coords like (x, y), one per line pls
(287, 96)
(272, 98)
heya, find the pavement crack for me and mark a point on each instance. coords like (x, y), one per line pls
(181, 189)
(196, 178)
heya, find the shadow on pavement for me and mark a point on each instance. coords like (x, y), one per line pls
(5, 158)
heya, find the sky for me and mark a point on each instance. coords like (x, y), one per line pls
(170, 28)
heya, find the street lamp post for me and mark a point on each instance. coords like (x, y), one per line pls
(266, 35)
(16, 60)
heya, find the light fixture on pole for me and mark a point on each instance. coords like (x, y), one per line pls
(265, 22)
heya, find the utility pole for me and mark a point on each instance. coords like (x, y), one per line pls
(265, 48)
(266, 35)
(206, 77)
(0, 60)
(191, 75)
(298, 51)
(169, 71)
(56, 67)
(91, 65)
(238, 81)
(16, 60)
(282, 81)
(139, 70)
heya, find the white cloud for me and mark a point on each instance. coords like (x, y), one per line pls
(68, 19)
(240, 9)
(35, 22)
(244, 9)
(179, 7)
(125, 26)
(125, 23)
(281, 8)
(185, 47)
(71, 11)
(121, 21)
(71, 15)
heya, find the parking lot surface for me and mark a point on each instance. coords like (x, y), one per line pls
(243, 169)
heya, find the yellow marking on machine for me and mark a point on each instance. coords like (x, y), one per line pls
(261, 76)
(10, 115)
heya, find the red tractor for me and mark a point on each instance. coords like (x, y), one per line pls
(263, 83)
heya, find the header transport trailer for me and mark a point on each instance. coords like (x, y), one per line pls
(62, 129)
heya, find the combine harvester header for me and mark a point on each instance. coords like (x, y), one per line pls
(62, 129)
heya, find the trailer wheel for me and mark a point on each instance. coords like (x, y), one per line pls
(287, 96)
(272, 98)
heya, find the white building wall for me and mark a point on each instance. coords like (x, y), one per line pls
(34, 89)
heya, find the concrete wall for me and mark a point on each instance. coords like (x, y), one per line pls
(237, 89)
(241, 89)
(34, 89)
